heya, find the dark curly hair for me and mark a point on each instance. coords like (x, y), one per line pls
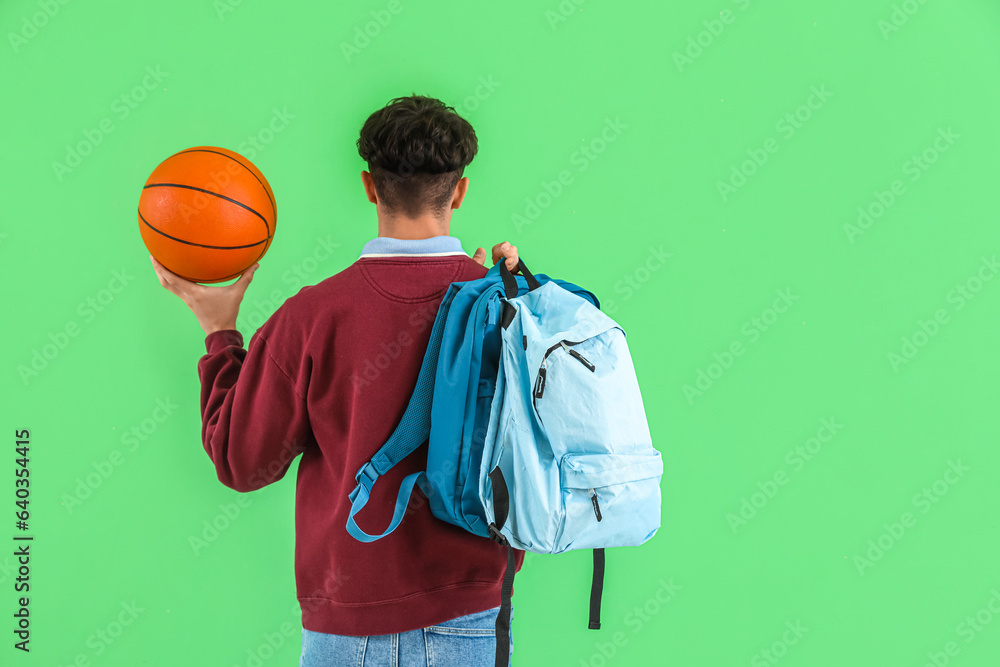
(417, 149)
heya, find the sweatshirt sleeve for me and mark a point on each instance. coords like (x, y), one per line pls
(254, 421)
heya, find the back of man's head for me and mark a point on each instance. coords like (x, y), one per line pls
(417, 149)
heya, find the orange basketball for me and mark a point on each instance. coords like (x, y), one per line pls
(207, 214)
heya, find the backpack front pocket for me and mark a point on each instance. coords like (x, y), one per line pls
(585, 396)
(609, 500)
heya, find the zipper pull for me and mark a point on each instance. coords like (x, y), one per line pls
(583, 360)
(540, 382)
(579, 357)
(597, 508)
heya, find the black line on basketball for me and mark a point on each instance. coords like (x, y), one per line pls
(214, 194)
(201, 245)
(263, 249)
(274, 208)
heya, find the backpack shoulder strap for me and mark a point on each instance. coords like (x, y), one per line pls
(413, 429)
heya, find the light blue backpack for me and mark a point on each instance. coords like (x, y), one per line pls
(552, 450)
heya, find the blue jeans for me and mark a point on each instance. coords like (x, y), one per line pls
(466, 641)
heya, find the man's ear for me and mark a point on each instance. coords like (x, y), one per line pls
(460, 189)
(369, 183)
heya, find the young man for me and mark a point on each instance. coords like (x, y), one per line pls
(328, 376)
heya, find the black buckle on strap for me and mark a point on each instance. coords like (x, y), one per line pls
(497, 536)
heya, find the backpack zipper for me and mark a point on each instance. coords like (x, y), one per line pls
(597, 508)
(540, 382)
(540, 379)
(582, 359)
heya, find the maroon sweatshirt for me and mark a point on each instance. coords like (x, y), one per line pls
(329, 375)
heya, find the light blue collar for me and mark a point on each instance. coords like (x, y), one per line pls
(435, 246)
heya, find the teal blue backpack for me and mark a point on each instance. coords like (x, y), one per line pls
(552, 450)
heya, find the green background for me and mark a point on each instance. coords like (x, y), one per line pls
(711, 588)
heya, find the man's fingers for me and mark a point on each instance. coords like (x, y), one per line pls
(173, 282)
(480, 256)
(162, 273)
(508, 251)
(512, 259)
(498, 251)
(247, 275)
(163, 283)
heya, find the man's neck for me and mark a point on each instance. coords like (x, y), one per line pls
(423, 227)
